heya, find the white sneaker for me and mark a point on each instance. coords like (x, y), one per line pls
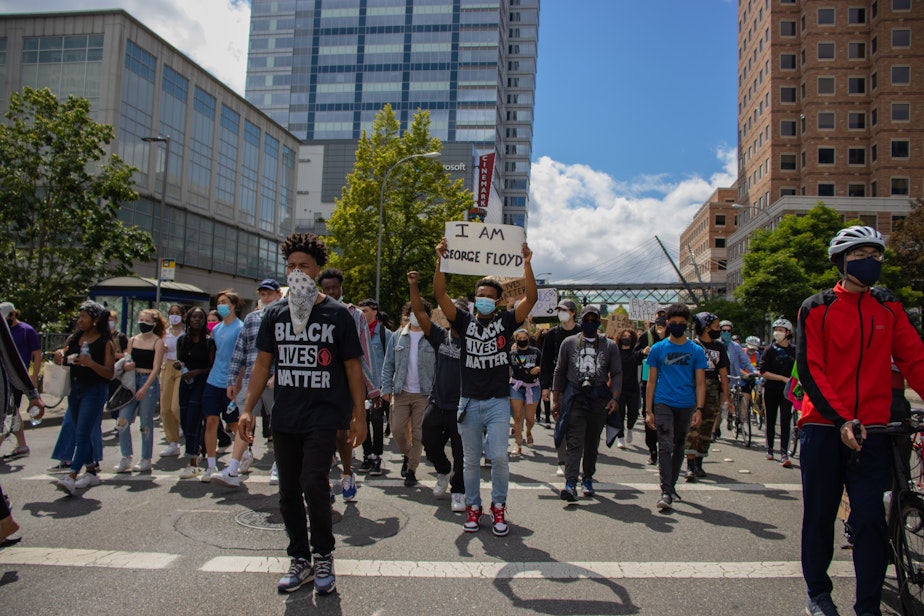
(124, 465)
(208, 474)
(173, 449)
(143, 467)
(629, 436)
(224, 478)
(274, 475)
(190, 472)
(458, 503)
(66, 484)
(560, 472)
(620, 443)
(348, 488)
(442, 484)
(246, 461)
(87, 480)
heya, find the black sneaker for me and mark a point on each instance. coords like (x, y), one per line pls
(688, 473)
(410, 479)
(366, 466)
(698, 471)
(821, 605)
(675, 496)
(665, 501)
(404, 467)
(376, 470)
(300, 573)
(653, 458)
(569, 494)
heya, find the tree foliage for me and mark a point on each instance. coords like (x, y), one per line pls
(419, 199)
(907, 242)
(59, 198)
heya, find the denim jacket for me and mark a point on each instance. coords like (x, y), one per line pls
(397, 354)
(378, 351)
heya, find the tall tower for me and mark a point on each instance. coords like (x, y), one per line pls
(324, 68)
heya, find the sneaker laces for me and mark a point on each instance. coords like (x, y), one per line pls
(323, 566)
(474, 514)
(499, 514)
(297, 565)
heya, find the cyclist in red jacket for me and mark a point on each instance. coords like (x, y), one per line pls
(848, 337)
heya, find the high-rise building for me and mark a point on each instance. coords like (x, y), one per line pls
(324, 69)
(703, 244)
(831, 108)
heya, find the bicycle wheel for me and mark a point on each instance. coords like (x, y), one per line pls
(916, 470)
(742, 423)
(907, 534)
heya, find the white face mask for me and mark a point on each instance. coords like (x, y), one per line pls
(779, 336)
(412, 319)
(174, 319)
(564, 316)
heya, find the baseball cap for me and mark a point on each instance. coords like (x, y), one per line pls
(6, 308)
(269, 283)
(590, 309)
(567, 304)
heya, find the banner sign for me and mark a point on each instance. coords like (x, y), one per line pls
(547, 304)
(513, 290)
(616, 323)
(642, 310)
(480, 249)
(485, 176)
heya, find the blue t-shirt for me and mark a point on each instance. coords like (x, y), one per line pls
(677, 365)
(224, 337)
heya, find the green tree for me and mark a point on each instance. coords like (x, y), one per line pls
(419, 199)
(907, 243)
(746, 322)
(59, 198)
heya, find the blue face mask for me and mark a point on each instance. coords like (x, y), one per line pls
(223, 310)
(867, 271)
(484, 305)
(726, 338)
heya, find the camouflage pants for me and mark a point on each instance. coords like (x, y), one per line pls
(699, 438)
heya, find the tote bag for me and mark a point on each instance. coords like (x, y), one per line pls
(57, 380)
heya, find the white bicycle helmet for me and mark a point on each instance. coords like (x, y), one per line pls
(752, 341)
(854, 237)
(726, 323)
(784, 323)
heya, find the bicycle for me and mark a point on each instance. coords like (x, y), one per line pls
(742, 418)
(757, 401)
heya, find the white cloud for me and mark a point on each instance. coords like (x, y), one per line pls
(214, 33)
(584, 226)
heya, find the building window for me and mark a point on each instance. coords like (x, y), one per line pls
(874, 114)
(901, 38)
(856, 85)
(897, 222)
(826, 120)
(874, 43)
(856, 51)
(873, 189)
(719, 242)
(826, 190)
(901, 75)
(787, 28)
(825, 156)
(826, 85)
(874, 153)
(787, 162)
(901, 112)
(901, 5)
(787, 128)
(856, 156)
(787, 192)
(825, 17)
(856, 190)
(901, 148)
(788, 61)
(856, 16)
(825, 51)
(720, 220)
(856, 120)
(899, 186)
(787, 94)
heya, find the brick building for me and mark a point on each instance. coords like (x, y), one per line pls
(703, 244)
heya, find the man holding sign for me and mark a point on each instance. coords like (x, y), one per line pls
(484, 405)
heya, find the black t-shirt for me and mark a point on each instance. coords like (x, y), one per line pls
(446, 387)
(485, 354)
(311, 390)
(550, 347)
(524, 360)
(97, 354)
(778, 360)
(716, 358)
(194, 355)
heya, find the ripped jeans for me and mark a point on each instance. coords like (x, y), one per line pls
(144, 408)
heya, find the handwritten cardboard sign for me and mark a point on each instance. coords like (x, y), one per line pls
(616, 323)
(546, 305)
(480, 249)
(513, 290)
(642, 310)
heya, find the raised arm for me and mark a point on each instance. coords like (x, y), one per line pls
(416, 305)
(532, 293)
(439, 284)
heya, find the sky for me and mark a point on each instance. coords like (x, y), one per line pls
(634, 121)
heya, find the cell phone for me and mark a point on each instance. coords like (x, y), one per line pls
(460, 416)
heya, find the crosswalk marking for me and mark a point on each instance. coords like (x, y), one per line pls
(64, 557)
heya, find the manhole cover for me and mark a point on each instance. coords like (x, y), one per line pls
(269, 520)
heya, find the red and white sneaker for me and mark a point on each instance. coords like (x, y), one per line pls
(499, 522)
(471, 524)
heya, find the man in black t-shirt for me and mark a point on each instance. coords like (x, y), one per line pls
(311, 341)
(484, 404)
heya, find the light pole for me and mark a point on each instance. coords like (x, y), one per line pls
(378, 253)
(159, 220)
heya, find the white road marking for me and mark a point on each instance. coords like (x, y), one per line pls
(63, 557)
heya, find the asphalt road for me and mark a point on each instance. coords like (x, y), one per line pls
(152, 544)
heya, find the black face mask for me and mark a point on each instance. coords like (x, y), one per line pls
(145, 328)
(522, 344)
(626, 342)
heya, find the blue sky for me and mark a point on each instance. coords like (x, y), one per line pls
(634, 120)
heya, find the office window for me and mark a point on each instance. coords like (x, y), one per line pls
(787, 94)
(787, 128)
(856, 120)
(874, 153)
(826, 120)
(873, 188)
(900, 186)
(874, 114)
(901, 75)
(787, 162)
(856, 51)
(825, 51)
(856, 85)
(719, 242)
(874, 43)
(720, 220)
(901, 5)
(826, 85)
(787, 192)
(856, 190)
(825, 156)
(825, 17)
(826, 190)
(901, 112)
(788, 61)
(901, 38)
(787, 28)
(856, 156)
(901, 148)
(856, 16)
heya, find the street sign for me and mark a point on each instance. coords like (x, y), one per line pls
(168, 269)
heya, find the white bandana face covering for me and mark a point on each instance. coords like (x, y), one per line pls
(302, 294)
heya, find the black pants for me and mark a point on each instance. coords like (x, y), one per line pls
(651, 434)
(4, 509)
(375, 431)
(440, 426)
(545, 406)
(777, 404)
(588, 416)
(303, 461)
(627, 411)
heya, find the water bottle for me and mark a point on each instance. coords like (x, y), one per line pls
(34, 419)
(84, 348)
(232, 407)
(184, 370)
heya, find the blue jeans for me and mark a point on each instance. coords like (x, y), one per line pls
(85, 403)
(67, 438)
(493, 416)
(146, 406)
(826, 471)
(191, 411)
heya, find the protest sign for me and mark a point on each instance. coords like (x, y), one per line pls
(513, 290)
(481, 249)
(547, 304)
(616, 323)
(642, 310)
(439, 318)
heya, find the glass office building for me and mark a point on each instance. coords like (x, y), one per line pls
(324, 68)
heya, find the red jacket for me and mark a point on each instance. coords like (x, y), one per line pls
(844, 355)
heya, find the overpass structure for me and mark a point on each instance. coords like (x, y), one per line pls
(662, 292)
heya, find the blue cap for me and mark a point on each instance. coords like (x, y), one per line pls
(269, 283)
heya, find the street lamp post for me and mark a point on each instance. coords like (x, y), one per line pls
(163, 208)
(378, 253)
